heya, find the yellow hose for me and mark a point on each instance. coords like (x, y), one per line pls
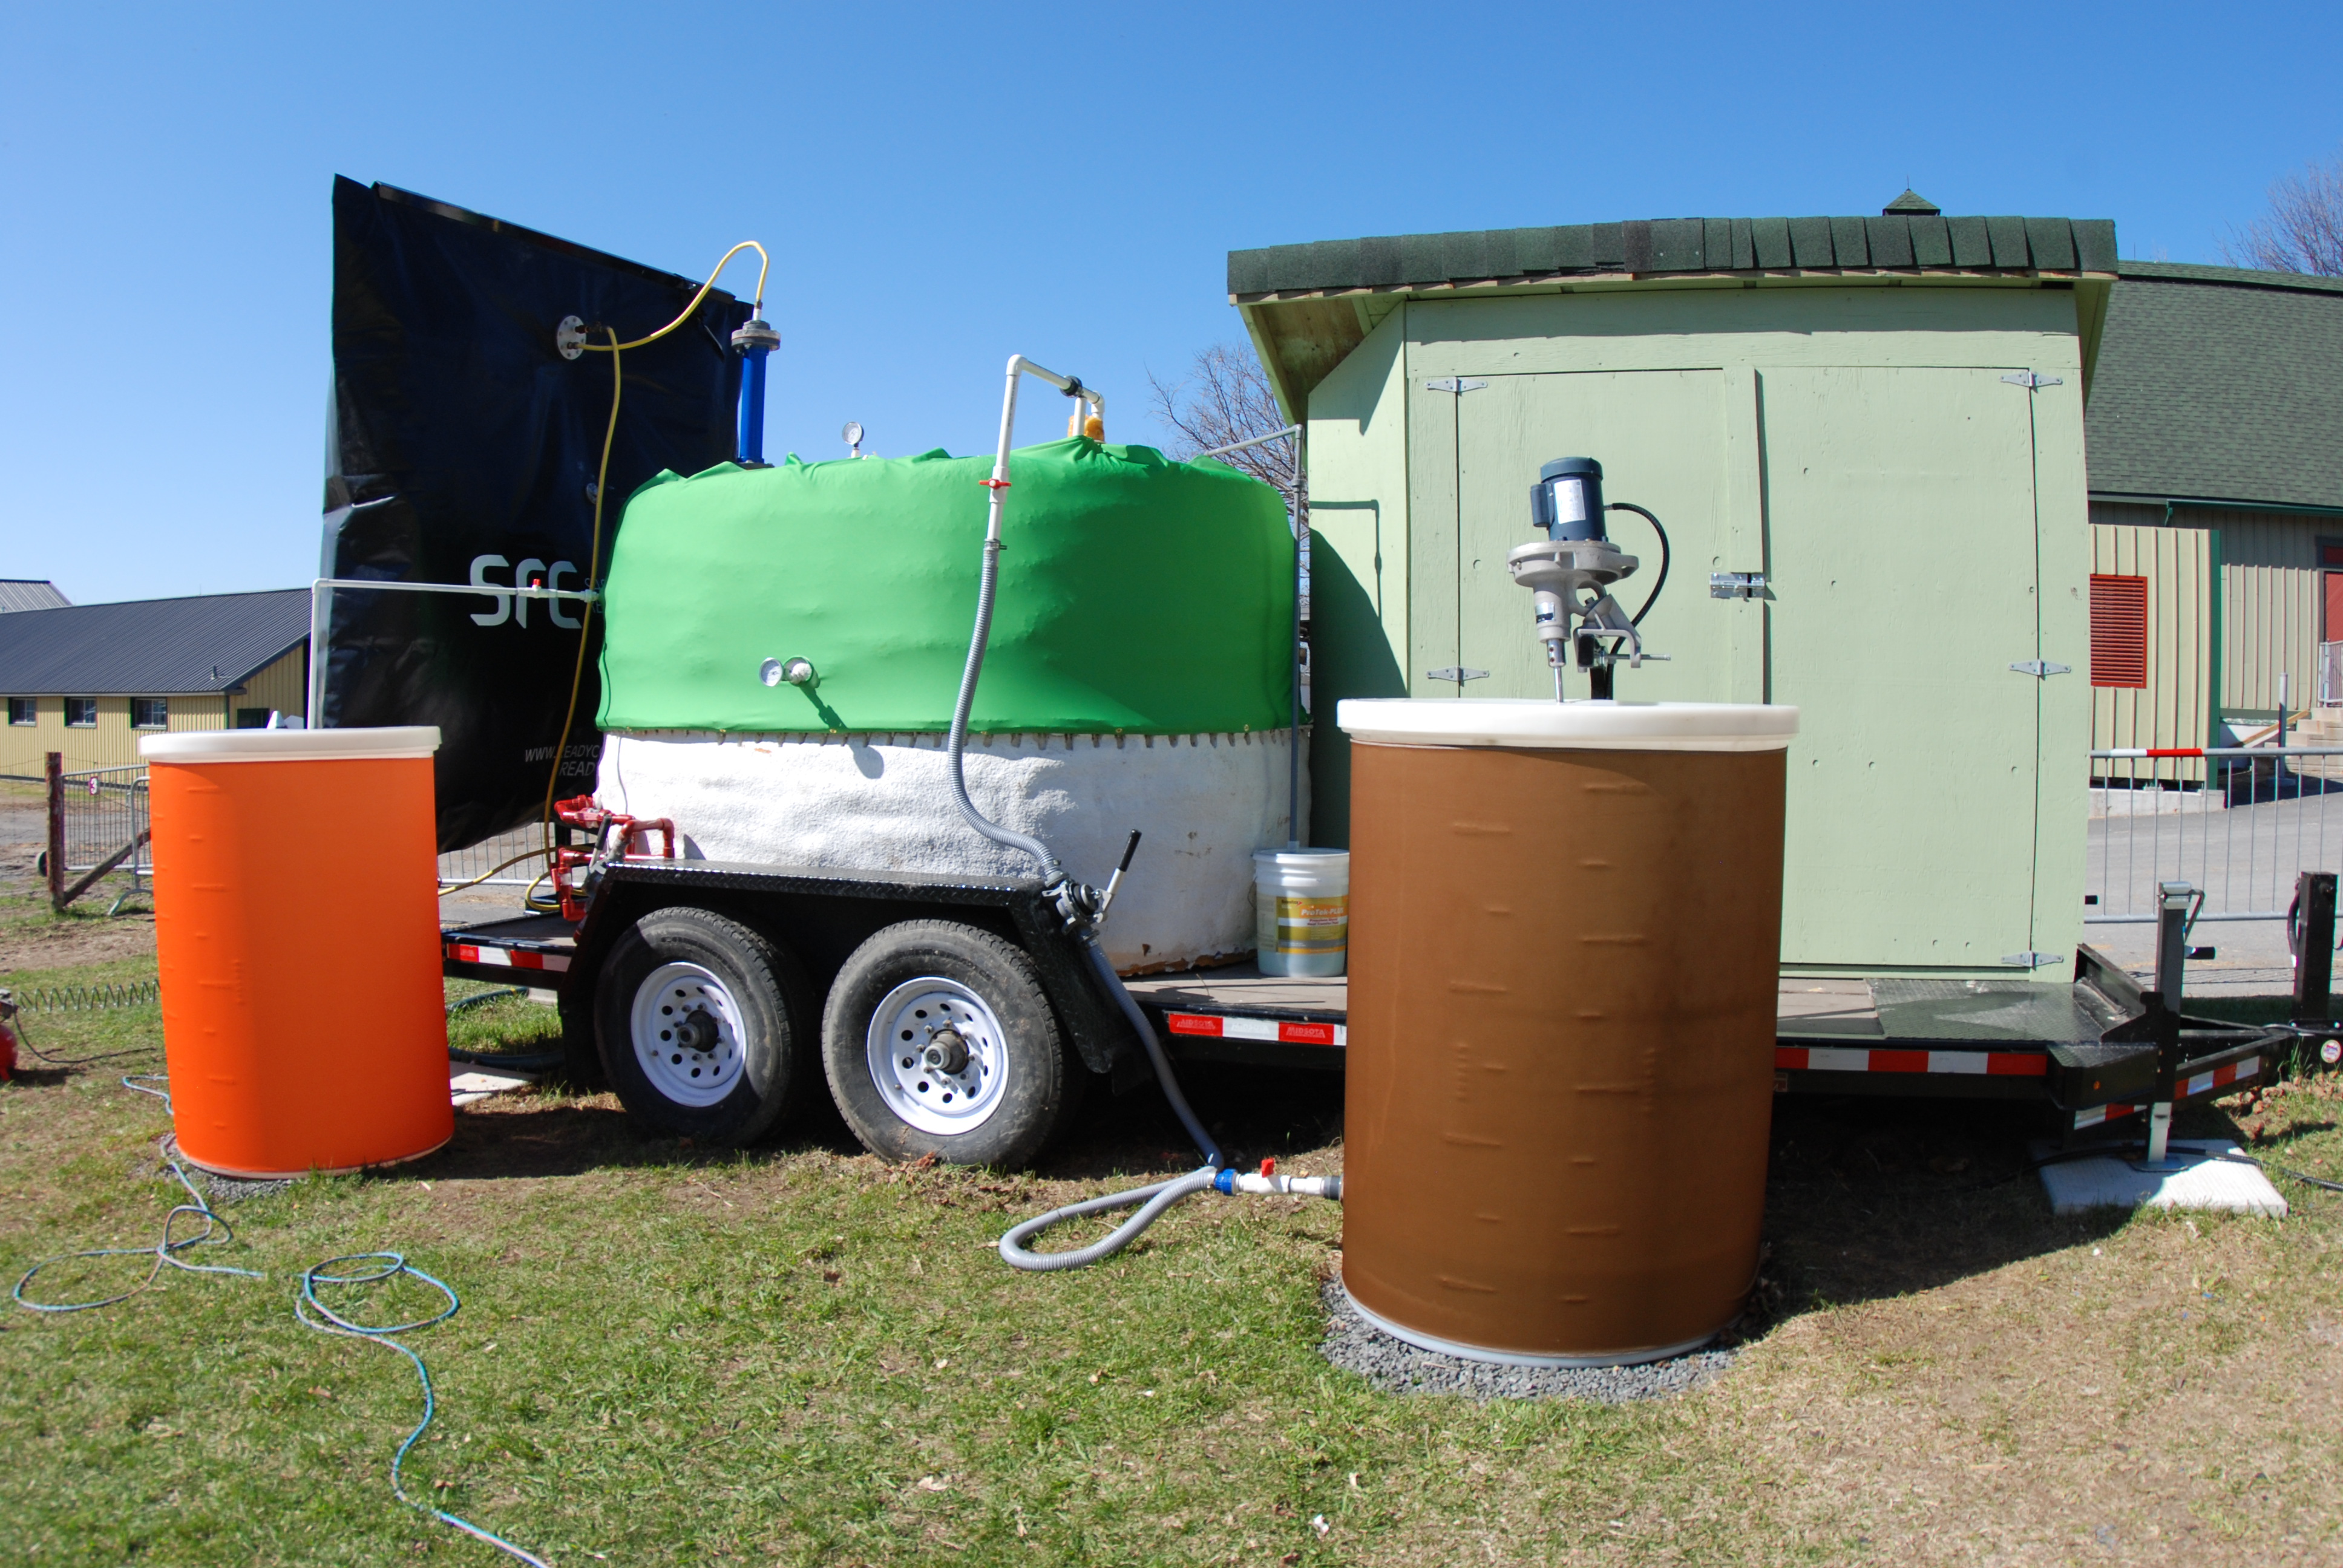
(614, 349)
(764, 265)
(593, 572)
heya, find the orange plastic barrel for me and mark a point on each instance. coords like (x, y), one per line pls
(297, 929)
(1565, 934)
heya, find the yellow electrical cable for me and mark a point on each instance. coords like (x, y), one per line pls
(594, 559)
(764, 265)
(585, 621)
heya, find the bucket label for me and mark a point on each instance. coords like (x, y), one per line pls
(1313, 925)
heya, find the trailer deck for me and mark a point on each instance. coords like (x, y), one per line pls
(2093, 1051)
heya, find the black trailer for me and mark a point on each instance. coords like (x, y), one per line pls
(955, 1016)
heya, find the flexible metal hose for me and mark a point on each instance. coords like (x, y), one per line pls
(987, 579)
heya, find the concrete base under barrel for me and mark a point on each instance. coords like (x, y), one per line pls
(1565, 934)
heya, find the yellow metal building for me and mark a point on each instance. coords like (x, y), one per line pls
(87, 680)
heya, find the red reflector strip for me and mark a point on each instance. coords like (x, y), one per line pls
(1220, 1026)
(506, 958)
(2203, 1083)
(1832, 1059)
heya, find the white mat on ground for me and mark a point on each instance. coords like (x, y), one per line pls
(2210, 1181)
(880, 802)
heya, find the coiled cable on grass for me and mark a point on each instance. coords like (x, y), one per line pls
(385, 1267)
(217, 1232)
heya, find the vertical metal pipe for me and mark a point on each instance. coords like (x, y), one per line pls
(321, 621)
(1300, 529)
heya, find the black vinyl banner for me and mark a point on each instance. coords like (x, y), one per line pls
(461, 447)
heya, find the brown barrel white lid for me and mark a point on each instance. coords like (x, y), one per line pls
(1568, 726)
(387, 743)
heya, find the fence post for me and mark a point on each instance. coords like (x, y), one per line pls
(2311, 932)
(56, 771)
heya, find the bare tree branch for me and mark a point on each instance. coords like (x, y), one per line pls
(1225, 398)
(2303, 230)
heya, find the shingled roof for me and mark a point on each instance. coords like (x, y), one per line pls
(2219, 384)
(1891, 241)
(149, 647)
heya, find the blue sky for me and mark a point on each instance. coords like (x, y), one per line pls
(941, 187)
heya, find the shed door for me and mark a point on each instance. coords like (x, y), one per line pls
(1660, 435)
(1901, 515)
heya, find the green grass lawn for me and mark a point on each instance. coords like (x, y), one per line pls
(797, 1354)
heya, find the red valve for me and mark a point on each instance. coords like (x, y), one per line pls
(1267, 1166)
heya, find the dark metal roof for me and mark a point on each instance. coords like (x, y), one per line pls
(1891, 241)
(2219, 384)
(149, 647)
(29, 593)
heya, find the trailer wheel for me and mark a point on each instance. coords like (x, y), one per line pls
(939, 1041)
(702, 1026)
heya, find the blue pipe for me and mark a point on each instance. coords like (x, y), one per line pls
(752, 404)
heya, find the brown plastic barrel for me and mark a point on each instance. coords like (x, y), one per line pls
(1565, 949)
(296, 931)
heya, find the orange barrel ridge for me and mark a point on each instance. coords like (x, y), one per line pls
(297, 929)
(1565, 938)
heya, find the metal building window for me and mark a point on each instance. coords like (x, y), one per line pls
(2118, 632)
(23, 710)
(81, 712)
(150, 712)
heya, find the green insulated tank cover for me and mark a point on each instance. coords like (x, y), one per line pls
(1137, 594)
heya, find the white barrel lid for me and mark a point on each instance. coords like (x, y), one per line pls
(1530, 721)
(404, 740)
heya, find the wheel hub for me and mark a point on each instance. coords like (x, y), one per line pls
(938, 1055)
(688, 1036)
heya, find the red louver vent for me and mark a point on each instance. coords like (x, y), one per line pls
(2118, 632)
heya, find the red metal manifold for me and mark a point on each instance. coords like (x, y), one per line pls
(584, 811)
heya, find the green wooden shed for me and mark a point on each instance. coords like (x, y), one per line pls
(1881, 417)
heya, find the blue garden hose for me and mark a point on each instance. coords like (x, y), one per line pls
(216, 1231)
(390, 1266)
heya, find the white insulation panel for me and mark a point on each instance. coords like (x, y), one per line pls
(879, 802)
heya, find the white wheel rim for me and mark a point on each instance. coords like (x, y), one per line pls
(675, 995)
(904, 1027)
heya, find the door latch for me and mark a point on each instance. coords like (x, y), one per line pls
(2029, 379)
(1457, 674)
(1737, 585)
(1454, 384)
(2038, 667)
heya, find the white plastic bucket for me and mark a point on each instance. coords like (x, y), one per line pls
(1301, 911)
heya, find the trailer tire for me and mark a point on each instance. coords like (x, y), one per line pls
(703, 1026)
(1012, 1082)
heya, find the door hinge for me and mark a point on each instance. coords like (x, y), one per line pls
(1737, 585)
(2031, 960)
(2029, 379)
(1456, 674)
(1454, 384)
(2038, 667)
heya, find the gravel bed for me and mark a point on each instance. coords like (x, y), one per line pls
(1397, 1367)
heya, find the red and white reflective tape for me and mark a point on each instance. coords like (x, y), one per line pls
(507, 957)
(2127, 753)
(1982, 1064)
(2187, 1089)
(1220, 1026)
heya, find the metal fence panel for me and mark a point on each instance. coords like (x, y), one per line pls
(105, 808)
(2264, 815)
